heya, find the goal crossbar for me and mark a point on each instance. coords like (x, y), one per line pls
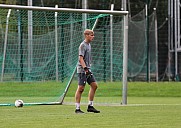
(63, 9)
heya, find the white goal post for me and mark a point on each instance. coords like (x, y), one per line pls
(110, 12)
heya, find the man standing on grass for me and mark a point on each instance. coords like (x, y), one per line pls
(85, 74)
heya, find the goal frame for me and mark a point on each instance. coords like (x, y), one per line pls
(111, 12)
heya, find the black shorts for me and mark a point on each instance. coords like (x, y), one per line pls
(82, 79)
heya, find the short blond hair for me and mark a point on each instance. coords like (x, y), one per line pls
(88, 32)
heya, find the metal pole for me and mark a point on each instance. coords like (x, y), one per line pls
(125, 61)
(172, 26)
(169, 38)
(125, 58)
(56, 44)
(176, 36)
(30, 37)
(19, 40)
(122, 4)
(111, 43)
(5, 44)
(84, 16)
(156, 45)
(20, 46)
(147, 42)
(178, 20)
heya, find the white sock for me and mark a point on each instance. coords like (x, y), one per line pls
(77, 105)
(91, 103)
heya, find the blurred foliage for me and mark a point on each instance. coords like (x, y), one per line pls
(7, 1)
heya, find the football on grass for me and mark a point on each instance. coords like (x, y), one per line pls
(19, 103)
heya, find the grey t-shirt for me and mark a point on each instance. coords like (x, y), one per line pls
(85, 51)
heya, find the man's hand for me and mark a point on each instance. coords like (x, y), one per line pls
(87, 72)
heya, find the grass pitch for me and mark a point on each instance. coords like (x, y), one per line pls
(150, 105)
(63, 116)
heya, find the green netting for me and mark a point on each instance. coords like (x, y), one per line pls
(137, 54)
(31, 59)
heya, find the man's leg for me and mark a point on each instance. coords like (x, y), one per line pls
(78, 94)
(93, 88)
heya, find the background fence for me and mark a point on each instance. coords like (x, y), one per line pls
(148, 34)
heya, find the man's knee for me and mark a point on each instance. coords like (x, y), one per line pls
(94, 85)
(81, 89)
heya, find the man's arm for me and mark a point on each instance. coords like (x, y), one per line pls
(87, 72)
(81, 60)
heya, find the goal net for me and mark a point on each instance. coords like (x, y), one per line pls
(39, 53)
